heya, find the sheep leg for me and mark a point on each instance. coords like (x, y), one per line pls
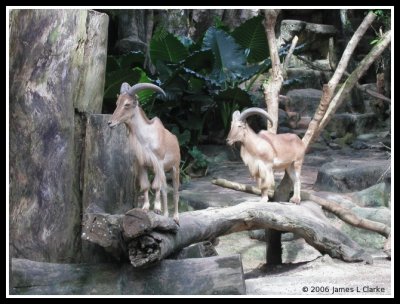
(175, 185)
(294, 171)
(157, 201)
(157, 186)
(267, 184)
(164, 199)
(144, 186)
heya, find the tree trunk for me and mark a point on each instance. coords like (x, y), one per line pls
(274, 84)
(271, 94)
(57, 73)
(204, 276)
(202, 225)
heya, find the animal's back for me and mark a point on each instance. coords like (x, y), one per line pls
(288, 145)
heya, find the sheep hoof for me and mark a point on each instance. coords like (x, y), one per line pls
(176, 219)
(157, 211)
(295, 200)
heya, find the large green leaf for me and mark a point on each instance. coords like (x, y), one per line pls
(229, 56)
(167, 48)
(251, 36)
(131, 76)
(200, 61)
(229, 66)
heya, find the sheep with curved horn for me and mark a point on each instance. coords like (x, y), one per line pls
(154, 146)
(266, 151)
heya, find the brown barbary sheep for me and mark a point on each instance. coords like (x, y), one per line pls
(154, 147)
(264, 152)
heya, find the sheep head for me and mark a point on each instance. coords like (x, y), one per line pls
(127, 102)
(239, 126)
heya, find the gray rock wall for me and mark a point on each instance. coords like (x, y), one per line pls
(57, 66)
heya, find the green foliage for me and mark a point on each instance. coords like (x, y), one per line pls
(383, 16)
(229, 66)
(120, 69)
(167, 48)
(251, 36)
(199, 159)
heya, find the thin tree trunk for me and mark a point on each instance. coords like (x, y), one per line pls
(274, 84)
(271, 93)
(354, 77)
(314, 128)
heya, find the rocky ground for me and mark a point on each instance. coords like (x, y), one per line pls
(305, 271)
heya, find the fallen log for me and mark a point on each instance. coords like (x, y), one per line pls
(208, 224)
(105, 230)
(203, 276)
(343, 213)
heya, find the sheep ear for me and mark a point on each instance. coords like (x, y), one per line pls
(236, 115)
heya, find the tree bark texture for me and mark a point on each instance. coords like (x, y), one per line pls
(274, 84)
(57, 67)
(307, 220)
(203, 276)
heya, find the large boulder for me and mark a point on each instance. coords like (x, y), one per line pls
(57, 67)
(352, 123)
(349, 175)
(315, 35)
(375, 196)
(305, 101)
(301, 77)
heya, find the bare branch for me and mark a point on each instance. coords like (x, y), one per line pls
(343, 213)
(368, 91)
(290, 53)
(353, 78)
(344, 61)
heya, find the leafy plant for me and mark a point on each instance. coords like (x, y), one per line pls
(199, 159)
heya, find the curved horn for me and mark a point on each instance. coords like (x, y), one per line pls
(142, 86)
(125, 88)
(255, 111)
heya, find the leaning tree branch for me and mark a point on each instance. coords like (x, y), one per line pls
(353, 78)
(202, 225)
(314, 127)
(290, 53)
(344, 214)
(368, 91)
(348, 52)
